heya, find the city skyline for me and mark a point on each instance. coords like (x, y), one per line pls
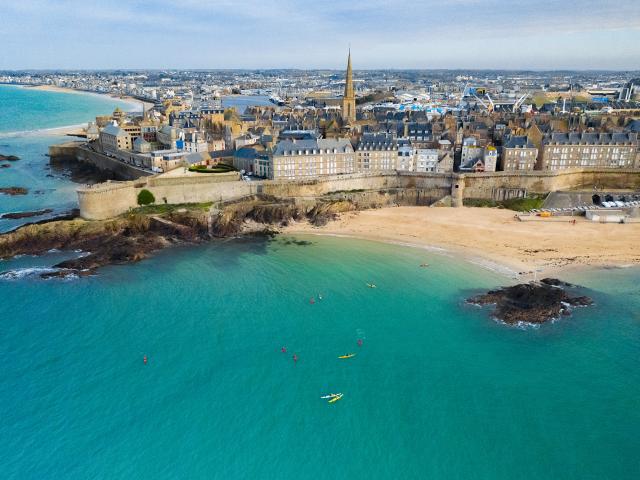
(200, 34)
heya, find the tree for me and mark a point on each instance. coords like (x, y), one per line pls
(145, 197)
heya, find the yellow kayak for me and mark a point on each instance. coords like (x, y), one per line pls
(336, 398)
(348, 355)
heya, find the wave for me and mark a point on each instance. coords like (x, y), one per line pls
(20, 273)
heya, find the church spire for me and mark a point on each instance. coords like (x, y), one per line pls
(348, 84)
(349, 99)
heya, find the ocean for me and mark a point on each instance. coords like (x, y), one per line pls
(436, 390)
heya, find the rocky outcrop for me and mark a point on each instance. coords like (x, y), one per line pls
(532, 303)
(13, 191)
(132, 237)
(9, 158)
(247, 215)
(123, 240)
(17, 215)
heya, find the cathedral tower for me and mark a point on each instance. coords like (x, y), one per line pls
(349, 99)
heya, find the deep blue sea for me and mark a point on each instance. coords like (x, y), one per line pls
(437, 389)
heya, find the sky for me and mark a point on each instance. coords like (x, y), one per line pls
(417, 34)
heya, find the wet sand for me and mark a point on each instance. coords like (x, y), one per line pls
(493, 238)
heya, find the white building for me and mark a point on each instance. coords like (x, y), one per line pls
(426, 159)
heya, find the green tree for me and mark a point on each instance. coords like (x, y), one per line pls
(145, 197)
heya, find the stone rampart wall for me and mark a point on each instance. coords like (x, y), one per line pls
(112, 199)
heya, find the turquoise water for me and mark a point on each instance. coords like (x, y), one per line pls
(25, 114)
(437, 390)
(26, 109)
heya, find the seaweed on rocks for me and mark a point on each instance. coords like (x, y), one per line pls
(532, 303)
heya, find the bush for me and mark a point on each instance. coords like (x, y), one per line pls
(145, 197)
(219, 168)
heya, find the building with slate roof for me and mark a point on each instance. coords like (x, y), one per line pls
(377, 152)
(518, 154)
(579, 150)
(311, 158)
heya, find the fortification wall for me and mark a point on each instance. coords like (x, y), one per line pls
(483, 185)
(112, 199)
(106, 200)
(119, 169)
(66, 151)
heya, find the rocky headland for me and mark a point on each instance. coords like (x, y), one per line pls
(136, 235)
(532, 303)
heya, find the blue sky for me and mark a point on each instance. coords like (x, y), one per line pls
(551, 34)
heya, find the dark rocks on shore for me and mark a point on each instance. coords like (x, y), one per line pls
(122, 240)
(133, 237)
(13, 191)
(17, 215)
(78, 172)
(532, 303)
(9, 158)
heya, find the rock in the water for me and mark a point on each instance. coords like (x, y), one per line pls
(9, 158)
(534, 303)
(13, 190)
(17, 215)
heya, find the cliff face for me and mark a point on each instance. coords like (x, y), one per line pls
(261, 214)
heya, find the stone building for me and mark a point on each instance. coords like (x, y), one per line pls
(114, 138)
(311, 158)
(376, 152)
(518, 154)
(579, 150)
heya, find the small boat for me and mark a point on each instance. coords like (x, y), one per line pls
(348, 355)
(331, 395)
(423, 265)
(336, 398)
(371, 285)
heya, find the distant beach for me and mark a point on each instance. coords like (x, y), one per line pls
(125, 98)
(493, 238)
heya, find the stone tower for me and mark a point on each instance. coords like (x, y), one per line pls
(349, 99)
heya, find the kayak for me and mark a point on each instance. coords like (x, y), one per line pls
(348, 355)
(336, 398)
(371, 285)
(331, 395)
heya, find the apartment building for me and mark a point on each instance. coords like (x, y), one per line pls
(578, 150)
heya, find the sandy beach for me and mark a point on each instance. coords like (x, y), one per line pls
(493, 238)
(53, 88)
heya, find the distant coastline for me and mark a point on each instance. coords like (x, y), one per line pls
(124, 98)
(75, 129)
